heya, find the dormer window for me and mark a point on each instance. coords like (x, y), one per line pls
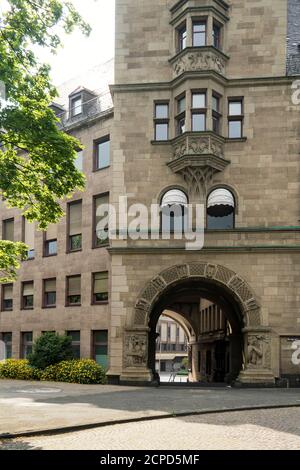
(76, 106)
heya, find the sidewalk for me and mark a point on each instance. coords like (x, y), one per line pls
(30, 407)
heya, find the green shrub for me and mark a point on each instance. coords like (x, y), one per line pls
(18, 369)
(83, 371)
(50, 349)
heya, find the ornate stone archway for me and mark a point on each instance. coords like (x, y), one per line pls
(257, 348)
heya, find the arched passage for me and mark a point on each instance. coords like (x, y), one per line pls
(179, 288)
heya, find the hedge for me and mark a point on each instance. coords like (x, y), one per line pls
(83, 371)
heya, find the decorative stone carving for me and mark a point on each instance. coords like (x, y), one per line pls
(197, 61)
(220, 274)
(258, 351)
(136, 349)
(198, 146)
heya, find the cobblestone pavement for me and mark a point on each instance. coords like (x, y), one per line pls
(246, 430)
(32, 406)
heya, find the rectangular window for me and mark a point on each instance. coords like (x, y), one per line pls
(76, 106)
(27, 295)
(100, 287)
(79, 160)
(161, 121)
(182, 38)
(100, 347)
(7, 340)
(181, 115)
(75, 225)
(8, 230)
(28, 237)
(73, 290)
(50, 292)
(102, 153)
(198, 111)
(7, 297)
(199, 33)
(50, 241)
(235, 118)
(101, 229)
(217, 35)
(26, 344)
(75, 335)
(216, 115)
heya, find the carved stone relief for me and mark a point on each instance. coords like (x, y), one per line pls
(199, 61)
(136, 349)
(258, 351)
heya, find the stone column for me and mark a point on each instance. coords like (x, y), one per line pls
(135, 362)
(257, 356)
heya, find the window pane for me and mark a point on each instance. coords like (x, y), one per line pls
(235, 108)
(215, 103)
(215, 223)
(101, 336)
(182, 36)
(51, 247)
(216, 36)
(198, 100)
(8, 230)
(181, 126)
(50, 298)
(181, 105)
(77, 106)
(161, 111)
(103, 154)
(79, 160)
(216, 124)
(75, 335)
(74, 285)
(235, 129)
(50, 285)
(28, 288)
(198, 122)
(161, 131)
(75, 242)
(75, 218)
(101, 356)
(199, 34)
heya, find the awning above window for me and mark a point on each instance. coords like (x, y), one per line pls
(220, 203)
(174, 197)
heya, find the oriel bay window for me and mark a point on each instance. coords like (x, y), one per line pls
(100, 347)
(216, 115)
(27, 295)
(181, 115)
(7, 297)
(75, 226)
(161, 121)
(50, 241)
(73, 291)
(102, 153)
(198, 111)
(8, 230)
(101, 217)
(7, 340)
(50, 293)
(28, 237)
(199, 33)
(26, 344)
(100, 287)
(235, 118)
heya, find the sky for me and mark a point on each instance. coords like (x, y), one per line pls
(80, 52)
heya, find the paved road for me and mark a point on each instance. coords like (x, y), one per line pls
(31, 406)
(251, 430)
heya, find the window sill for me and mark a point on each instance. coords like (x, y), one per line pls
(235, 139)
(27, 308)
(104, 302)
(49, 256)
(46, 307)
(7, 310)
(73, 251)
(96, 170)
(72, 306)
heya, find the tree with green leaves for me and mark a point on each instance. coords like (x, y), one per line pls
(37, 169)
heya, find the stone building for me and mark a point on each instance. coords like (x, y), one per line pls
(203, 114)
(171, 345)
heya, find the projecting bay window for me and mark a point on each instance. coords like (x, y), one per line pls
(28, 237)
(75, 226)
(100, 219)
(73, 291)
(180, 118)
(50, 293)
(7, 340)
(199, 33)
(8, 230)
(161, 121)
(27, 295)
(216, 35)
(100, 347)
(26, 344)
(198, 111)
(216, 115)
(235, 118)
(100, 287)
(7, 297)
(50, 241)
(181, 37)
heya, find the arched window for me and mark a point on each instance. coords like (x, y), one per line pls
(220, 209)
(174, 211)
